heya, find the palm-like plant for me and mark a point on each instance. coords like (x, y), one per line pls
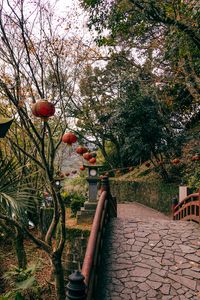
(14, 202)
(13, 193)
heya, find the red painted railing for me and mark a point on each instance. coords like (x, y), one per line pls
(106, 209)
(188, 209)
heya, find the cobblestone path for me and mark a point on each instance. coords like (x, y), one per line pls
(150, 258)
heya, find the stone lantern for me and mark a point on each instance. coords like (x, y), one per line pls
(87, 212)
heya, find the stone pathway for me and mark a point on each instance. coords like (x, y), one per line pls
(150, 258)
(132, 210)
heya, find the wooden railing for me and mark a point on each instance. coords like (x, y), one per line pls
(188, 209)
(82, 285)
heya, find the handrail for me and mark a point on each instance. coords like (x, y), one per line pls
(89, 255)
(82, 284)
(188, 208)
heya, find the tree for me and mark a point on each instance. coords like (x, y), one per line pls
(122, 107)
(164, 32)
(142, 122)
(96, 108)
(39, 59)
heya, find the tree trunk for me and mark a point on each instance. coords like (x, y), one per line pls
(59, 276)
(164, 174)
(20, 250)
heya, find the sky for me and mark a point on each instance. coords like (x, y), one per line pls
(72, 8)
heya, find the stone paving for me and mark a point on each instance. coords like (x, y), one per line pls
(150, 258)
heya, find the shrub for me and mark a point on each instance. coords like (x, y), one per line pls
(23, 283)
(77, 201)
(66, 196)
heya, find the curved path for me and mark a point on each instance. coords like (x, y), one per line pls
(148, 256)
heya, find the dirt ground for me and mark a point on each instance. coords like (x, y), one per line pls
(34, 256)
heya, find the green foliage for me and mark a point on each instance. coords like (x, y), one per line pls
(77, 201)
(155, 194)
(23, 282)
(66, 196)
(163, 34)
(14, 195)
(193, 180)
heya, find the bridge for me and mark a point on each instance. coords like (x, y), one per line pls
(141, 254)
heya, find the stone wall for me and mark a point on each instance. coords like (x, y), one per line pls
(156, 195)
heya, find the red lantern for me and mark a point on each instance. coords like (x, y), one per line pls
(175, 161)
(82, 168)
(195, 157)
(147, 165)
(67, 174)
(81, 150)
(92, 160)
(69, 138)
(43, 109)
(87, 156)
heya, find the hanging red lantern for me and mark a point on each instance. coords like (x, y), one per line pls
(87, 156)
(92, 160)
(82, 168)
(43, 109)
(175, 161)
(69, 138)
(81, 150)
(195, 157)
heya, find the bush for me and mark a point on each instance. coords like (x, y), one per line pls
(193, 179)
(23, 283)
(66, 197)
(77, 201)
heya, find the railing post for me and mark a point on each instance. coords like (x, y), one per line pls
(112, 202)
(105, 186)
(174, 203)
(76, 288)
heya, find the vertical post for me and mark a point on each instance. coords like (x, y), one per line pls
(174, 203)
(76, 288)
(105, 184)
(112, 202)
(183, 192)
